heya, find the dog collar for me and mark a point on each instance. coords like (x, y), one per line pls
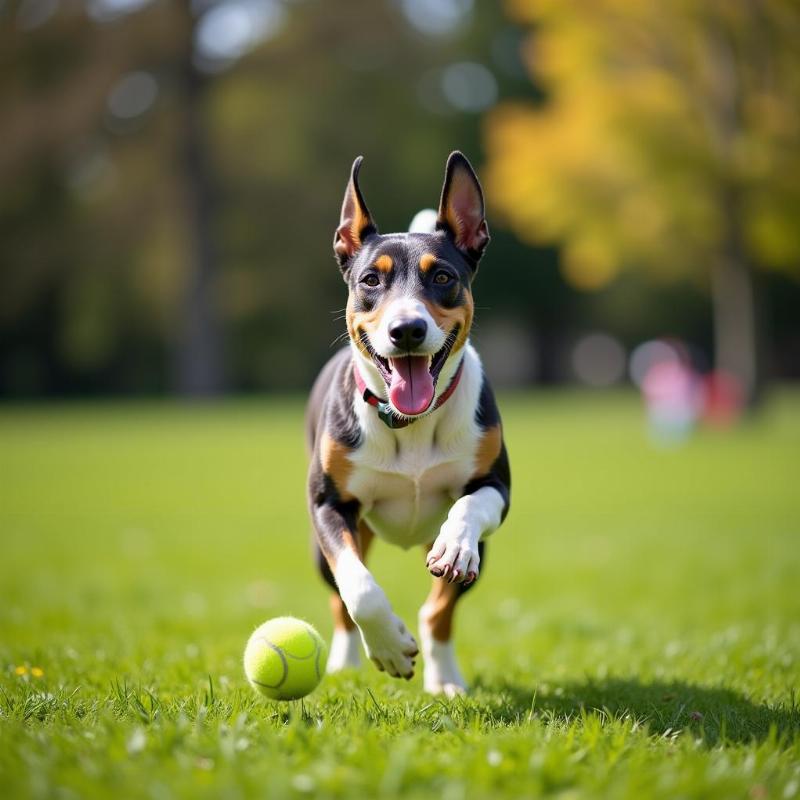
(387, 416)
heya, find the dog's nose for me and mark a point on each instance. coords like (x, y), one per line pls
(408, 333)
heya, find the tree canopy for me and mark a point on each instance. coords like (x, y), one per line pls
(660, 121)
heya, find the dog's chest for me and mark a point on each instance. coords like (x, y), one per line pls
(407, 483)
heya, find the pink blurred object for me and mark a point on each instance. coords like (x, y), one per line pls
(676, 396)
(673, 393)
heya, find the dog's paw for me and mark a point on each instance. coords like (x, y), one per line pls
(447, 689)
(386, 639)
(454, 556)
(441, 674)
(345, 651)
(389, 645)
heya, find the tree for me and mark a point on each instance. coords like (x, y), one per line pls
(184, 241)
(669, 140)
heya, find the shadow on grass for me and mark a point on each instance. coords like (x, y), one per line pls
(716, 714)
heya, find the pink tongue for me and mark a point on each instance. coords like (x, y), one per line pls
(411, 391)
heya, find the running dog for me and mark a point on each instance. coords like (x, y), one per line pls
(405, 438)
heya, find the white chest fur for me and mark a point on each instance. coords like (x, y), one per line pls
(407, 479)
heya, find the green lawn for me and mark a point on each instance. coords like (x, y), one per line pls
(635, 633)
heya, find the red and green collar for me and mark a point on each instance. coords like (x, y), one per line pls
(385, 412)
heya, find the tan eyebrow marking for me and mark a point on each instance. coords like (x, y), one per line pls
(427, 261)
(384, 263)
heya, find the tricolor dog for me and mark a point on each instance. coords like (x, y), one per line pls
(405, 438)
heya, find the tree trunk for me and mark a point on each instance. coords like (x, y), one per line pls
(738, 339)
(199, 369)
(737, 324)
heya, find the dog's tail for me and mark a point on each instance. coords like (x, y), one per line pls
(424, 221)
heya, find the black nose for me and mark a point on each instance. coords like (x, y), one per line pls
(408, 334)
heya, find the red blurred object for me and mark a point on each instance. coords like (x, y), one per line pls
(723, 399)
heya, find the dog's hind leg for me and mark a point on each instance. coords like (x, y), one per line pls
(441, 673)
(345, 648)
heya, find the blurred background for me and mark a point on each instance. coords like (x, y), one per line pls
(172, 173)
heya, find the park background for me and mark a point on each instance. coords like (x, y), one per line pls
(171, 175)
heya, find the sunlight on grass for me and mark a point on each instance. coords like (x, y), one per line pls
(635, 632)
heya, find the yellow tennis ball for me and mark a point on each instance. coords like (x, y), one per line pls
(285, 658)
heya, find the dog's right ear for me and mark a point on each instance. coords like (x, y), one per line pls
(355, 223)
(461, 211)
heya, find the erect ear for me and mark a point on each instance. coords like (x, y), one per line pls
(461, 210)
(355, 223)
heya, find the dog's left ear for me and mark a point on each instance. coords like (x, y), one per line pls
(355, 222)
(461, 211)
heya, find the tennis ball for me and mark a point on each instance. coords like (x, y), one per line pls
(285, 658)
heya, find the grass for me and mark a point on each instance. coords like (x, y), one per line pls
(636, 632)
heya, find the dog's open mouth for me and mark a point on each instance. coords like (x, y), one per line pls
(411, 379)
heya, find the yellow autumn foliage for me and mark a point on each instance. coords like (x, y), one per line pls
(656, 116)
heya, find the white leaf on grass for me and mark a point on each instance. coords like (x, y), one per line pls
(303, 783)
(136, 743)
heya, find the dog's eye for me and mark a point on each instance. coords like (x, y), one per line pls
(370, 280)
(442, 278)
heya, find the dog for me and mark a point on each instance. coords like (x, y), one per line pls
(404, 434)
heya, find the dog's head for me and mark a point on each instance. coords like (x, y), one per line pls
(410, 305)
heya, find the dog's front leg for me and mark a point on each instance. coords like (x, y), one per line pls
(454, 554)
(386, 639)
